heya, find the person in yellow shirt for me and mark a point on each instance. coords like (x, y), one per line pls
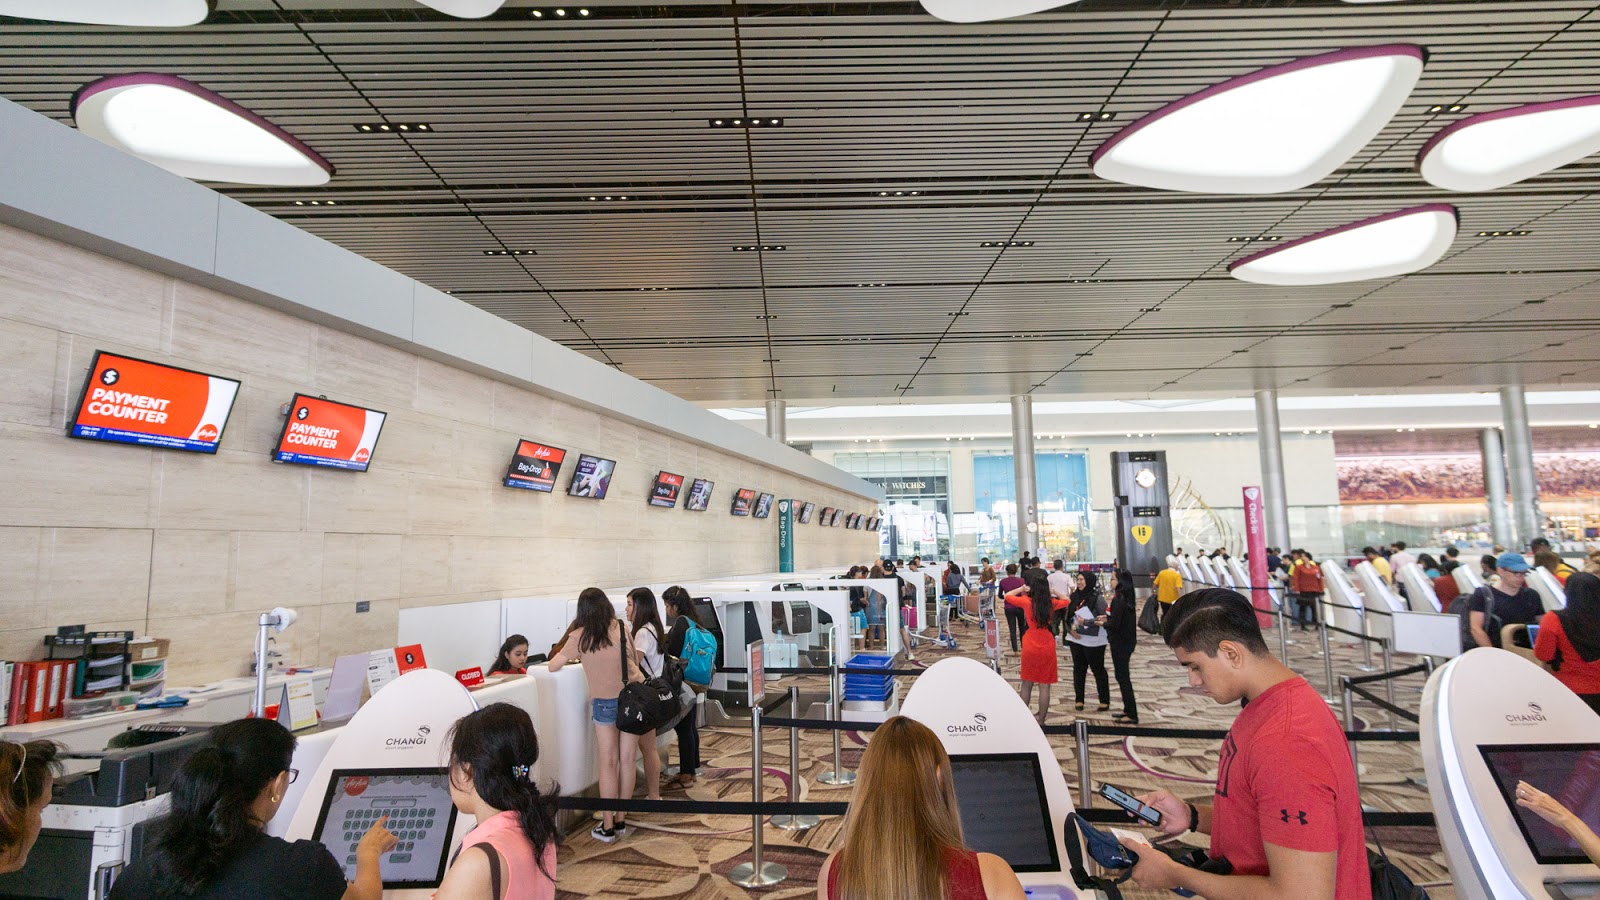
(1382, 565)
(1168, 584)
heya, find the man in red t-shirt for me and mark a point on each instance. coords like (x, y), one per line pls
(1286, 813)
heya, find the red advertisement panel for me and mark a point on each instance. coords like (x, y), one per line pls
(742, 501)
(534, 467)
(324, 433)
(133, 401)
(665, 491)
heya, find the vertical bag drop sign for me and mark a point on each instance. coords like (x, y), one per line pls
(133, 401)
(324, 433)
(785, 535)
(1255, 531)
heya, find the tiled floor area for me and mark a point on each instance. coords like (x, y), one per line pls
(689, 855)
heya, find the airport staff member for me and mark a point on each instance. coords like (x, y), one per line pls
(1286, 813)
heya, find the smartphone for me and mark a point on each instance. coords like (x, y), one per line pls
(1122, 798)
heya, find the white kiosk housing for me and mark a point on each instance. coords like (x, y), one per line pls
(1380, 602)
(1548, 587)
(1343, 607)
(1489, 719)
(1420, 596)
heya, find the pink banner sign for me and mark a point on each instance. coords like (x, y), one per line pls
(1255, 530)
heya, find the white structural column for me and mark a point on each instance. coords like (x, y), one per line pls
(1519, 460)
(1494, 486)
(778, 421)
(1022, 459)
(1274, 493)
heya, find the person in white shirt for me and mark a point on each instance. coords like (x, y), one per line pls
(644, 627)
(1061, 588)
(1399, 557)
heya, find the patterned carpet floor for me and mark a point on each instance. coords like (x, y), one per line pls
(690, 855)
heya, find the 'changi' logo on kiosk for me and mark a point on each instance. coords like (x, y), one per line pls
(980, 724)
(420, 740)
(1533, 716)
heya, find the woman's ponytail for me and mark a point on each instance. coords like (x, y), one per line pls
(498, 747)
(25, 772)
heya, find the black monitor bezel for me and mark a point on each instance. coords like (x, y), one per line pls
(746, 494)
(804, 516)
(450, 825)
(83, 399)
(651, 500)
(759, 511)
(689, 494)
(573, 481)
(1044, 804)
(1508, 793)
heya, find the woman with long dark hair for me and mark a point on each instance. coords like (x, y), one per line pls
(212, 844)
(1038, 644)
(492, 754)
(512, 659)
(1122, 633)
(1086, 616)
(902, 834)
(648, 638)
(1569, 639)
(680, 613)
(593, 639)
(25, 782)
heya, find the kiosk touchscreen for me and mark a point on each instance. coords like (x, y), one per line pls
(417, 802)
(1568, 772)
(1004, 810)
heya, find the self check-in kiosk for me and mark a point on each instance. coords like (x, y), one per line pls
(1548, 587)
(1420, 596)
(1489, 719)
(1013, 798)
(1378, 602)
(1342, 606)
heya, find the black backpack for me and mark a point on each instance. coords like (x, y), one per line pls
(1461, 607)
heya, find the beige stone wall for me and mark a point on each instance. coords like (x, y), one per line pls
(193, 547)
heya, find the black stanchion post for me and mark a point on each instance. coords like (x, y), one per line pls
(1388, 683)
(790, 822)
(1350, 725)
(838, 775)
(1327, 654)
(1080, 731)
(1283, 633)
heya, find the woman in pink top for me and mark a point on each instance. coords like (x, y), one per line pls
(511, 853)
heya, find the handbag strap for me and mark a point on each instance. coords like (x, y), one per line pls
(494, 869)
(1080, 875)
(622, 648)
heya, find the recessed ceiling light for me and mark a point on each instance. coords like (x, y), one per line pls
(1534, 302)
(573, 321)
(1149, 309)
(766, 317)
(190, 131)
(1096, 116)
(464, 9)
(1278, 129)
(1006, 244)
(1396, 243)
(1259, 239)
(510, 253)
(145, 14)
(390, 127)
(1445, 108)
(1493, 149)
(965, 11)
(745, 122)
(1521, 233)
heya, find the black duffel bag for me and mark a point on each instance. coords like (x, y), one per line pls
(644, 706)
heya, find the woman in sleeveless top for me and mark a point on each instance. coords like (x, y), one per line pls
(902, 835)
(1038, 607)
(511, 853)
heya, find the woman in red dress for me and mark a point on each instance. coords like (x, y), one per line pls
(1038, 644)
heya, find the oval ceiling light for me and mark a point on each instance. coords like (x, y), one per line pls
(1396, 243)
(1493, 149)
(138, 13)
(464, 9)
(1279, 129)
(190, 131)
(966, 11)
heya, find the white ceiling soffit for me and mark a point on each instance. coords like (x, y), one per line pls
(1494, 149)
(136, 13)
(190, 131)
(1396, 243)
(965, 11)
(1278, 129)
(465, 9)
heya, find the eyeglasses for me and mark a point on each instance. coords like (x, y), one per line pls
(293, 774)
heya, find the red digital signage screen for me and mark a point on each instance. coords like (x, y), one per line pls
(699, 495)
(134, 401)
(742, 501)
(763, 506)
(534, 466)
(665, 491)
(333, 435)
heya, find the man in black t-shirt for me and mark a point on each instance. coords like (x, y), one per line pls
(1514, 602)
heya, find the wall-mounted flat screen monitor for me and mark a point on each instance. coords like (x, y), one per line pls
(699, 495)
(836, 516)
(534, 466)
(872, 523)
(665, 491)
(417, 802)
(1568, 772)
(1004, 810)
(742, 501)
(324, 433)
(806, 509)
(826, 518)
(591, 477)
(850, 520)
(133, 401)
(763, 506)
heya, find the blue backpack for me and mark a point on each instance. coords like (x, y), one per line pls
(699, 654)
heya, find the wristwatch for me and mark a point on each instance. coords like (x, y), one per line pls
(1194, 818)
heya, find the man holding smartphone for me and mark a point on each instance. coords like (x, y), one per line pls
(1286, 812)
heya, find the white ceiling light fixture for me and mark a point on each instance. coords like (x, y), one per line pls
(968, 11)
(1396, 243)
(132, 13)
(1493, 149)
(1278, 129)
(190, 131)
(465, 9)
